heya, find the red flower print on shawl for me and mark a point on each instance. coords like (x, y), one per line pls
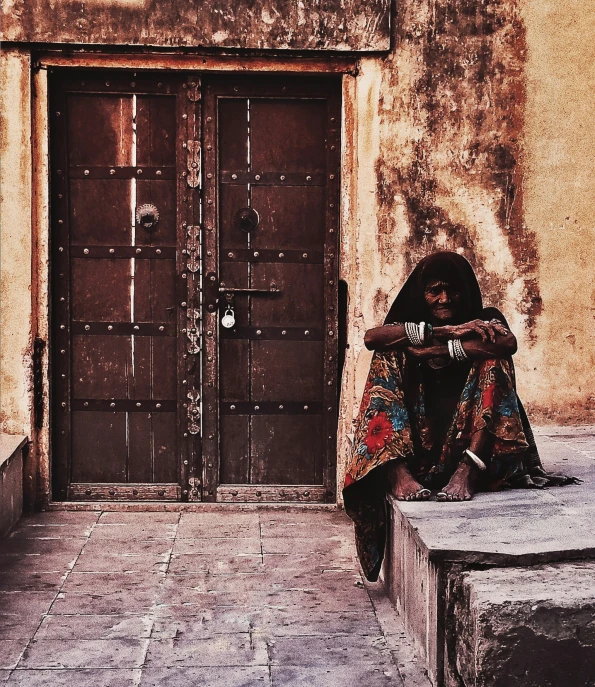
(380, 429)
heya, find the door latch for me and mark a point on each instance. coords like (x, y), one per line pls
(193, 163)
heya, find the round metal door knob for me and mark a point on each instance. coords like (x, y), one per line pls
(147, 216)
(246, 219)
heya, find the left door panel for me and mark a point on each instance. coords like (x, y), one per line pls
(117, 284)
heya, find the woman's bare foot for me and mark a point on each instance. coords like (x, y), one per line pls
(403, 485)
(460, 486)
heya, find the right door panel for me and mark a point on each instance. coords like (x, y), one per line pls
(271, 148)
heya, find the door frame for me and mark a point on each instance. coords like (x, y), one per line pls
(43, 62)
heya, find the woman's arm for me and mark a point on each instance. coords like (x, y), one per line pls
(388, 337)
(480, 340)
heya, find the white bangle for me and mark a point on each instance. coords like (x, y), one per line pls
(476, 459)
(450, 349)
(412, 331)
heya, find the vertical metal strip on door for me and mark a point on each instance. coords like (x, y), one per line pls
(189, 224)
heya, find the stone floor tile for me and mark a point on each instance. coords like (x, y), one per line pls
(211, 677)
(239, 650)
(203, 623)
(60, 562)
(26, 604)
(31, 580)
(185, 563)
(71, 530)
(336, 676)
(133, 532)
(311, 517)
(95, 627)
(75, 678)
(22, 547)
(17, 626)
(109, 583)
(335, 547)
(10, 652)
(218, 547)
(330, 650)
(217, 518)
(135, 601)
(201, 530)
(4, 675)
(85, 518)
(283, 623)
(123, 518)
(159, 547)
(302, 530)
(307, 561)
(84, 653)
(99, 561)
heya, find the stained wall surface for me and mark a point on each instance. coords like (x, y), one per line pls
(257, 24)
(15, 242)
(474, 132)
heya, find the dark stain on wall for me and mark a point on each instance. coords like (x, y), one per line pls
(468, 98)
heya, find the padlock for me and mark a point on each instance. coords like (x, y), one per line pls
(228, 320)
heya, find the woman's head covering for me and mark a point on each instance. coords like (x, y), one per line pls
(410, 303)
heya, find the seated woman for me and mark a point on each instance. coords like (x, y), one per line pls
(440, 409)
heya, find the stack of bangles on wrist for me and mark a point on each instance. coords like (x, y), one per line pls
(456, 350)
(419, 334)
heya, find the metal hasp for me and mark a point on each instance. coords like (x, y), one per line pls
(193, 412)
(193, 249)
(193, 315)
(246, 219)
(193, 177)
(147, 216)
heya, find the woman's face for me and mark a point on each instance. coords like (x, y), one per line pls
(443, 300)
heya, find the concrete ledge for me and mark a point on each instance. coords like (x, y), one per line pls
(524, 627)
(432, 545)
(11, 480)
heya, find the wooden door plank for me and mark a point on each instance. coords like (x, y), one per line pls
(100, 129)
(98, 447)
(287, 135)
(100, 212)
(235, 449)
(286, 371)
(286, 449)
(291, 217)
(155, 130)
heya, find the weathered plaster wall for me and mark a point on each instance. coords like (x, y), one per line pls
(558, 373)
(257, 24)
(476, 134)
(15, 242)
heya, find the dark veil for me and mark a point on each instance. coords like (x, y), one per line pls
(410, 304)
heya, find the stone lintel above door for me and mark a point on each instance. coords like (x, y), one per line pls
(335, 25)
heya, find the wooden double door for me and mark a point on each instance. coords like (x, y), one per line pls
(194, 286)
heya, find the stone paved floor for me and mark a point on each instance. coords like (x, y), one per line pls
(222, 597)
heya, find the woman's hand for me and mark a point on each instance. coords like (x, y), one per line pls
(486, 331)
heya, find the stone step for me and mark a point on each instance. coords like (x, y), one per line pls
(529, 627)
